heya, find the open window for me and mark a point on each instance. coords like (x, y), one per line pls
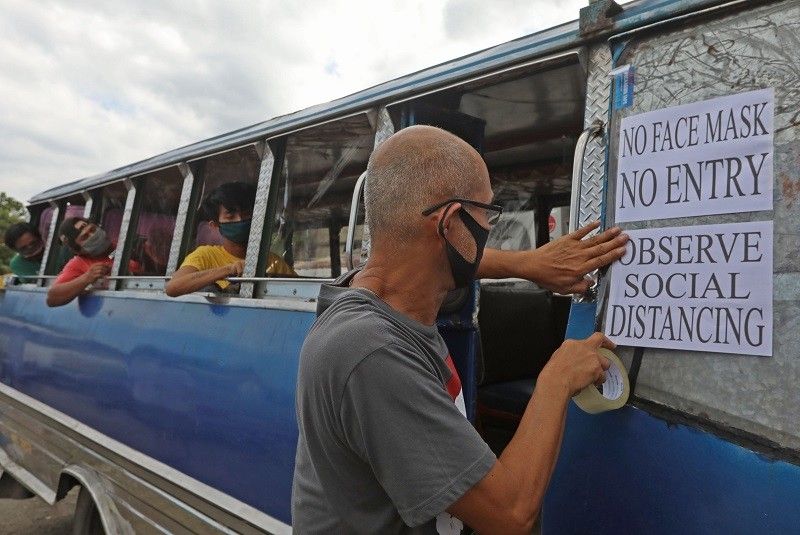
(152, 227)
(59, 254)
(311, 199)
(239, 165)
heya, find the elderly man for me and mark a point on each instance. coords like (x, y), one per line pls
(384, 447)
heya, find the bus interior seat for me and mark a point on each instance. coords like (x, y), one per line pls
(521, 325)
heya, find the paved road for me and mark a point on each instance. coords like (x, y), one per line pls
(34, 517)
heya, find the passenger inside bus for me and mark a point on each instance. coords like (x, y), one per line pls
(24, 239)
(153, 249)
(92, 261)
(228, 210)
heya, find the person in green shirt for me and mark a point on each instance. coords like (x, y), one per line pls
(25, 240)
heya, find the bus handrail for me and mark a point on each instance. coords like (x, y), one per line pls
(595, 129)
(351, 227)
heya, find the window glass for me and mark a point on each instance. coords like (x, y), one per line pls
(112, 206)
(516, 229)
(240, 165)
(517, 191)
(159, 195)
(315, 189)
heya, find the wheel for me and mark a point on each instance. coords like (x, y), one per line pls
(87, 518)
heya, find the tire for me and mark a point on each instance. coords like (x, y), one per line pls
(87, 519)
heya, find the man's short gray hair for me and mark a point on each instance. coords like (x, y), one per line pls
(412, 174)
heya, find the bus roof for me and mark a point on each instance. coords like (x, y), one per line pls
(636, 13)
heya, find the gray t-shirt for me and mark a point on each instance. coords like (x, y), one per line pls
(384, 444)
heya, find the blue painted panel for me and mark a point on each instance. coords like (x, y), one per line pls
(206, 389)
(629, 472)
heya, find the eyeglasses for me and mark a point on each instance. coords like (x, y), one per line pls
(493, 211)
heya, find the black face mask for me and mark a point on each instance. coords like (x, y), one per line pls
(463, 271)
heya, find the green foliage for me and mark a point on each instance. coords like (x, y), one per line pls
(11, 211)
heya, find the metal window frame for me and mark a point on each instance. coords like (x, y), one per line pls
(121, 254)
(55, 220)
(281, 287)
(254, 258)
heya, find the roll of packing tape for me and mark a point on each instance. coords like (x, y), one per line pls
(615, 390)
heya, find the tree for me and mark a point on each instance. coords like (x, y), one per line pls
(11, 211)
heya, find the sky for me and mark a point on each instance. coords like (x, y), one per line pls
(87, 86)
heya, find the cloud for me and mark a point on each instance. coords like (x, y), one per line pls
(468, 20)
(87, 86)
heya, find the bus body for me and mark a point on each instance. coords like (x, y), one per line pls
(177, 414)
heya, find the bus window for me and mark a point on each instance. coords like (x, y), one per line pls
(59, 253)
(159, 195)
(312, 201)
(240, 165)
(112, 206)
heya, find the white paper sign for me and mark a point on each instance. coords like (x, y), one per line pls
(710, 157)
(699, 288)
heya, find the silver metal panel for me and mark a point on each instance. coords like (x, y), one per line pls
(281, 294)
(597, 109)
(303, 290)
(181, 217)
(123, 228)
(52, 237)
(259, 217)
(577, 173)
(741, 52)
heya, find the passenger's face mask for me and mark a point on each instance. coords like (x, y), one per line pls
(237, 231)
(32, 251)
(97, 244)
(464, 271)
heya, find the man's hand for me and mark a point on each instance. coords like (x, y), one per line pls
(561, 265)
(235, 269)
(577, 363)
(95, 272)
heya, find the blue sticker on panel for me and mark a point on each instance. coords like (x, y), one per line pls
(623, 86)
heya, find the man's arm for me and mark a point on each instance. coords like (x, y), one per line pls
(560, 265)
(61, 293)
(189, 279)
(509, 497)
